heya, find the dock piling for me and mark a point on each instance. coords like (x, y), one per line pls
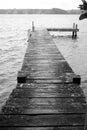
(21, 77)
(33, 28)
(29, 35)
(74, 32)
(77, 79)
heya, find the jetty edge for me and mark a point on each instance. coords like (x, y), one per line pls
(48, 95)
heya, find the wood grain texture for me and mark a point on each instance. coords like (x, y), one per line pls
(63, 29)
(48, 100)
(43, 128)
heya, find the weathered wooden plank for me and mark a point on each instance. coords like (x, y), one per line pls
(61, 88)
(44, 93)
(43, 128)
(44, 105)
(51, 102)
(42, 120)
(47, 90)
(63, 29)
(46, 85)
(57, 68)
(38, 109)
(61, 79)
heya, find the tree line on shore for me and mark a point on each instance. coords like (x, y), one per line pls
(38, 11)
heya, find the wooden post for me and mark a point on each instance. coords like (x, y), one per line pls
(73, 33)
(77, 79)
(33, 28)
(28, 34)
(76, 31)
(21, 77)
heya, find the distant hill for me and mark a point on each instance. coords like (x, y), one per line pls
(38, 11)
(74, 11)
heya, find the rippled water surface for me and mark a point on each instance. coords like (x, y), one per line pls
(13, 43)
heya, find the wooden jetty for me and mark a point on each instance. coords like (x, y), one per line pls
(48, 95)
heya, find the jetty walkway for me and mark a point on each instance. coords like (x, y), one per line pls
(48, 94)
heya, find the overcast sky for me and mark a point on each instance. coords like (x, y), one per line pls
(41, 4)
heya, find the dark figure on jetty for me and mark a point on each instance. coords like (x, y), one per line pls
(83, 7)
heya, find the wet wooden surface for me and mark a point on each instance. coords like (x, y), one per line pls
(48, 100)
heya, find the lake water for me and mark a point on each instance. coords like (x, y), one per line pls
(13, 43)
